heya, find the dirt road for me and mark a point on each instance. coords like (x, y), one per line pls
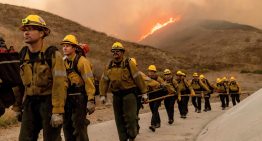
(181, 130)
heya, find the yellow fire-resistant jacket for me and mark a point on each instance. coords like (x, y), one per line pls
(39, 79)
(221, 88)
(185, 88)
(173, 84)
(150, 83)
(86, 79)
(199, 87)
(234, 87)
(117, 77)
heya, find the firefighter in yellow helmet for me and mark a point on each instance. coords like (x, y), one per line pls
(125, 82)
(222, 89)
(226, 83)
(44, 77)
(200, 88)
(185, 91)
(80, 91)
(234, 90)
(155, 120)
(170, 101)
(207, 92)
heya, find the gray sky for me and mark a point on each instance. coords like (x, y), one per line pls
(130, 19)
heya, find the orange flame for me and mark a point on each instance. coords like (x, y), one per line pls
(159, 26)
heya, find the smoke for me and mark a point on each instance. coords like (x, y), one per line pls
(130, 19)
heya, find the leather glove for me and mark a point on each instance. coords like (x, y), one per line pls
(192, 93)
(90, 107)
(56, 120)
(103, 99)
(179, 98)
(144, 98)
(18, 115)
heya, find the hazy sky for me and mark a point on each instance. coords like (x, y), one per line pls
(130, 19)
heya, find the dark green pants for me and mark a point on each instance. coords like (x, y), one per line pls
(75, 122)
(36, 116)
(125, 110)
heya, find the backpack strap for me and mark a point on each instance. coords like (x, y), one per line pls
(22, 54)
(48, 55)
(75, 64)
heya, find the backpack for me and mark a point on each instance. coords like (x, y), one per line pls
(44, 56)
(75, 69)
(126, 64)
(233, 87)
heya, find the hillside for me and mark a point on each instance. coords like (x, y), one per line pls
(100, 43)
(211, 44)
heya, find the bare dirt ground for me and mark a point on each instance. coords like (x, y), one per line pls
(103, 127)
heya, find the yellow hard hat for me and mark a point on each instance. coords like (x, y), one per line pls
(218, 80)
(134, 60)
(224, 79)
(152, 68)
(232, 78)
(180, 73)
(201, 76)
(195, 74)
(118, 46)
(167, 71)
(35, 20)
(70, 39)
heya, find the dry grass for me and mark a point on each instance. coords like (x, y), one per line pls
(100, 43)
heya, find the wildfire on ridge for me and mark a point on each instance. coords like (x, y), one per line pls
(159, 26)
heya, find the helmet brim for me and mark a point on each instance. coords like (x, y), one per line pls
(46, 30)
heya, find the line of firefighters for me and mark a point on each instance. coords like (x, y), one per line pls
(59, 91)
(180, 90)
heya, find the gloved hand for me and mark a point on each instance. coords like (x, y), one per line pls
(179, 98)
(144, 98)
(18, 116)
(192, 93)
(56, 120)
(90, 107)
(103, 99)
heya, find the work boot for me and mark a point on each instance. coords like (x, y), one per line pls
(152, 128)
(157, 125)
(138, 128)
(171, 121)
(183, 116)
(131, 139)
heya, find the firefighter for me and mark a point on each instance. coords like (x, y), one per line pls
(222, 89)
(125, 82)
(80, 91)
(151, 84)
(226, 82)
(44, 77)
(185, 91)
(155, 119)
(234, 90)
(170, 101)
(200, 88)
(208, 92)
